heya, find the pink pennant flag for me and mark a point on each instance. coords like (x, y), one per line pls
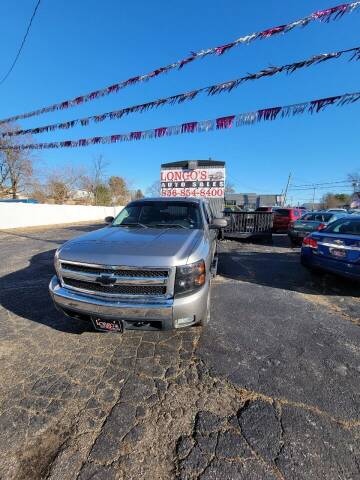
(160, 132)
(330, 11)
(94, 95)
(185, 61)
(225, 122)
(113, 88)
(189, 127)
(130, 81)
(317, 105)
(222, 49)
(272, 31)
(135, 135)
(269, 113)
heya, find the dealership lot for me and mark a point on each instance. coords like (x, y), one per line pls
(268, 390)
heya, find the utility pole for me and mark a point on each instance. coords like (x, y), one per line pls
(313, 199)
(355, 184)
(287, 187)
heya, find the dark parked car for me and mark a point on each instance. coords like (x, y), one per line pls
(311, 222)
(283, 218)
(335, 249)
(266, 209)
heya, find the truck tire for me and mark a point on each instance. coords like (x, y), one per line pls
(214, 266)
(207, 315)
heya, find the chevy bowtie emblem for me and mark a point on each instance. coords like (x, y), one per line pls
(106, 280)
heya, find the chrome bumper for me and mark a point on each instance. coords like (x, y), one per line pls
(167, 312)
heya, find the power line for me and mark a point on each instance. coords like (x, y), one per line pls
(343, 187)
(22, 44)
(311, 185)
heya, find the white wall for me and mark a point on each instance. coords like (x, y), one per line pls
(17, 215)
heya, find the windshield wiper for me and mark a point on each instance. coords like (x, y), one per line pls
(170, 225)
(131, 225)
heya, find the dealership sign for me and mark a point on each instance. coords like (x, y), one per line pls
(198, 182)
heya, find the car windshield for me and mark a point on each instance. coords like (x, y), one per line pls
(317, 217)
(160, 215)
(345, 226)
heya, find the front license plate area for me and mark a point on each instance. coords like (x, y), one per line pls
(103, 325)
(336, 252)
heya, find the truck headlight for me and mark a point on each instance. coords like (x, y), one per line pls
(190, 278)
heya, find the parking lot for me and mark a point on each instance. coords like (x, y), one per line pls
(269, 389)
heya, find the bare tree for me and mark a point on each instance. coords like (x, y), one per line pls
(95, 178)
(38, 191)
(229, 187)
(62, 184)
(119, 190)
(154, 189)
(16, 166)
(335, 200)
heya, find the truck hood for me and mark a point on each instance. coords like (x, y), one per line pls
(137, 247)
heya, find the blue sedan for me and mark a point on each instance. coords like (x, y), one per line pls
(335, 249)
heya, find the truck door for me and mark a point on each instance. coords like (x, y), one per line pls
(212, 233)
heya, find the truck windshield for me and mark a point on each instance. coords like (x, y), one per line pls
(160, 215)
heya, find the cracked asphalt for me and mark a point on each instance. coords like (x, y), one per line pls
(268, 390)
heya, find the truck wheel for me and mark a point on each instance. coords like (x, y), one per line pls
(214, 266)
(207, 316)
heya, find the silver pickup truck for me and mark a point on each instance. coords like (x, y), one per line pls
(149, 269)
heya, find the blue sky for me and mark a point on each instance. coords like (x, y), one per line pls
(76, 47)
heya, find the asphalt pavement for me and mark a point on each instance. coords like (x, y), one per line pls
(269, 389)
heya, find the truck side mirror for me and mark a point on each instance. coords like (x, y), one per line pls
(109, 219)
(218, 223)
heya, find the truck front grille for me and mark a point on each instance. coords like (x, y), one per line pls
(115, 281)
(118, 271)
(116, 289)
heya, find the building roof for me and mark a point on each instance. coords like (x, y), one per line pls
(200, 163)
(167, 199)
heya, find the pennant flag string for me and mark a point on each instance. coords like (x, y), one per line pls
(326, 15)
(182, 97)
(248, 118)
